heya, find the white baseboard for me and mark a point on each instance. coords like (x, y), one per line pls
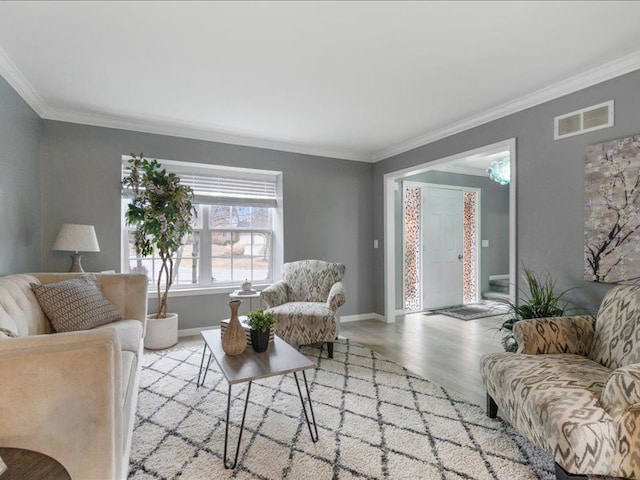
(380, 318)
(188, 332)
(360, 316)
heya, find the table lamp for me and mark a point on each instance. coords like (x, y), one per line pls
(76, 238)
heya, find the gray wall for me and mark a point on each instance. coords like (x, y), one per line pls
(327, 204)
(333, 208)
(549, 180)
(19, 184)
(494, 223)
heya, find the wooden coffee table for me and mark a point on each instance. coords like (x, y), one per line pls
(279, 359)
(24, 464)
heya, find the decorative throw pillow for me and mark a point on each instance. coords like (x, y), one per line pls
(76, 304)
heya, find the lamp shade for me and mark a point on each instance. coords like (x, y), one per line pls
(76, 238)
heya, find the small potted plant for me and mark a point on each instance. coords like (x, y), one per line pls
(260, 323)
(541, 301)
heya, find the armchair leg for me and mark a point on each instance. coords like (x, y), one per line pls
(492, 407)
(562, 474)
(330, 349)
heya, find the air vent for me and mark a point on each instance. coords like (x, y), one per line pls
(585, 120)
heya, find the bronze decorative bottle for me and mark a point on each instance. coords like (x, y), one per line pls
(234, 340)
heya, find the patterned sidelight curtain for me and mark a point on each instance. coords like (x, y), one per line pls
(470, 247)
(412, 248)
(412, 221)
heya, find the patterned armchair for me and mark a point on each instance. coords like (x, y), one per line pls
(573, 388)
(306, 301)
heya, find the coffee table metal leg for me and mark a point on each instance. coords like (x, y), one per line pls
(204, 351)
(304, 408)
(226, 428)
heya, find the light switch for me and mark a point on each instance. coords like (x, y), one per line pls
(375, 244)
(485, 243)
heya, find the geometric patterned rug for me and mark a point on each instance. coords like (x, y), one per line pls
(375, 420)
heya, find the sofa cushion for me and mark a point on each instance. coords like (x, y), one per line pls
(304, 322)
(20, 312)
(617, 336)
(76, 304)
(127, 367)
(554, 401)
(129, 333)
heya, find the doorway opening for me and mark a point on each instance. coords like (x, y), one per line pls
(441, 257)
(404, 241)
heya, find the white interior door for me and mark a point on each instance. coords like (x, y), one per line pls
(442, 232)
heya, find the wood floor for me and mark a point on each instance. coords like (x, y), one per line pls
(442, 349)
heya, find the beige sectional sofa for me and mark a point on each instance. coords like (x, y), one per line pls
(72, 395)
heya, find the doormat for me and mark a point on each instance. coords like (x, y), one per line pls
(472, 311)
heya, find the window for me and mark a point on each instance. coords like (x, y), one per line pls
(237, 233)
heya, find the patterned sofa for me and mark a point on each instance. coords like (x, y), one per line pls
(573, 387)
(305, 302)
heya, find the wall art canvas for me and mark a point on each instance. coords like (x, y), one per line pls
(612, 211)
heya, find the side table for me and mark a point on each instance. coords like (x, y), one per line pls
(25, 464)
(240, 295)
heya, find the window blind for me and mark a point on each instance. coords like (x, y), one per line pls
(214, 185)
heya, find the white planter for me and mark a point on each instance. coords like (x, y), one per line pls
(161, 332)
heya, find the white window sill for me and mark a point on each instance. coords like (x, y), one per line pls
(194, 291)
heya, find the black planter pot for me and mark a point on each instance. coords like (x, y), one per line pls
(259, 340)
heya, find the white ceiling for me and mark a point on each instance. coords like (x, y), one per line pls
(473, 165)
(358, 80)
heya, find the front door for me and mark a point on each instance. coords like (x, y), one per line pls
(442, 247)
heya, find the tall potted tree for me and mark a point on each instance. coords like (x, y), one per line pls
(161, 209)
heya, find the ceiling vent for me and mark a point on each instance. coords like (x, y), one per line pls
(583, 121)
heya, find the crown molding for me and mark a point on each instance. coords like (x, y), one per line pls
(20, 84)
(162, 127)
(596, 75)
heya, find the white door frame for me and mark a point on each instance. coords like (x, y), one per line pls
(389, 181)
(478, 264)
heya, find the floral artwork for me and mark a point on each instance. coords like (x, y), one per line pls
(612, 211)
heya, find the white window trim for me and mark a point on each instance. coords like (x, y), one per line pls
(277, 237)
(209, 290)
